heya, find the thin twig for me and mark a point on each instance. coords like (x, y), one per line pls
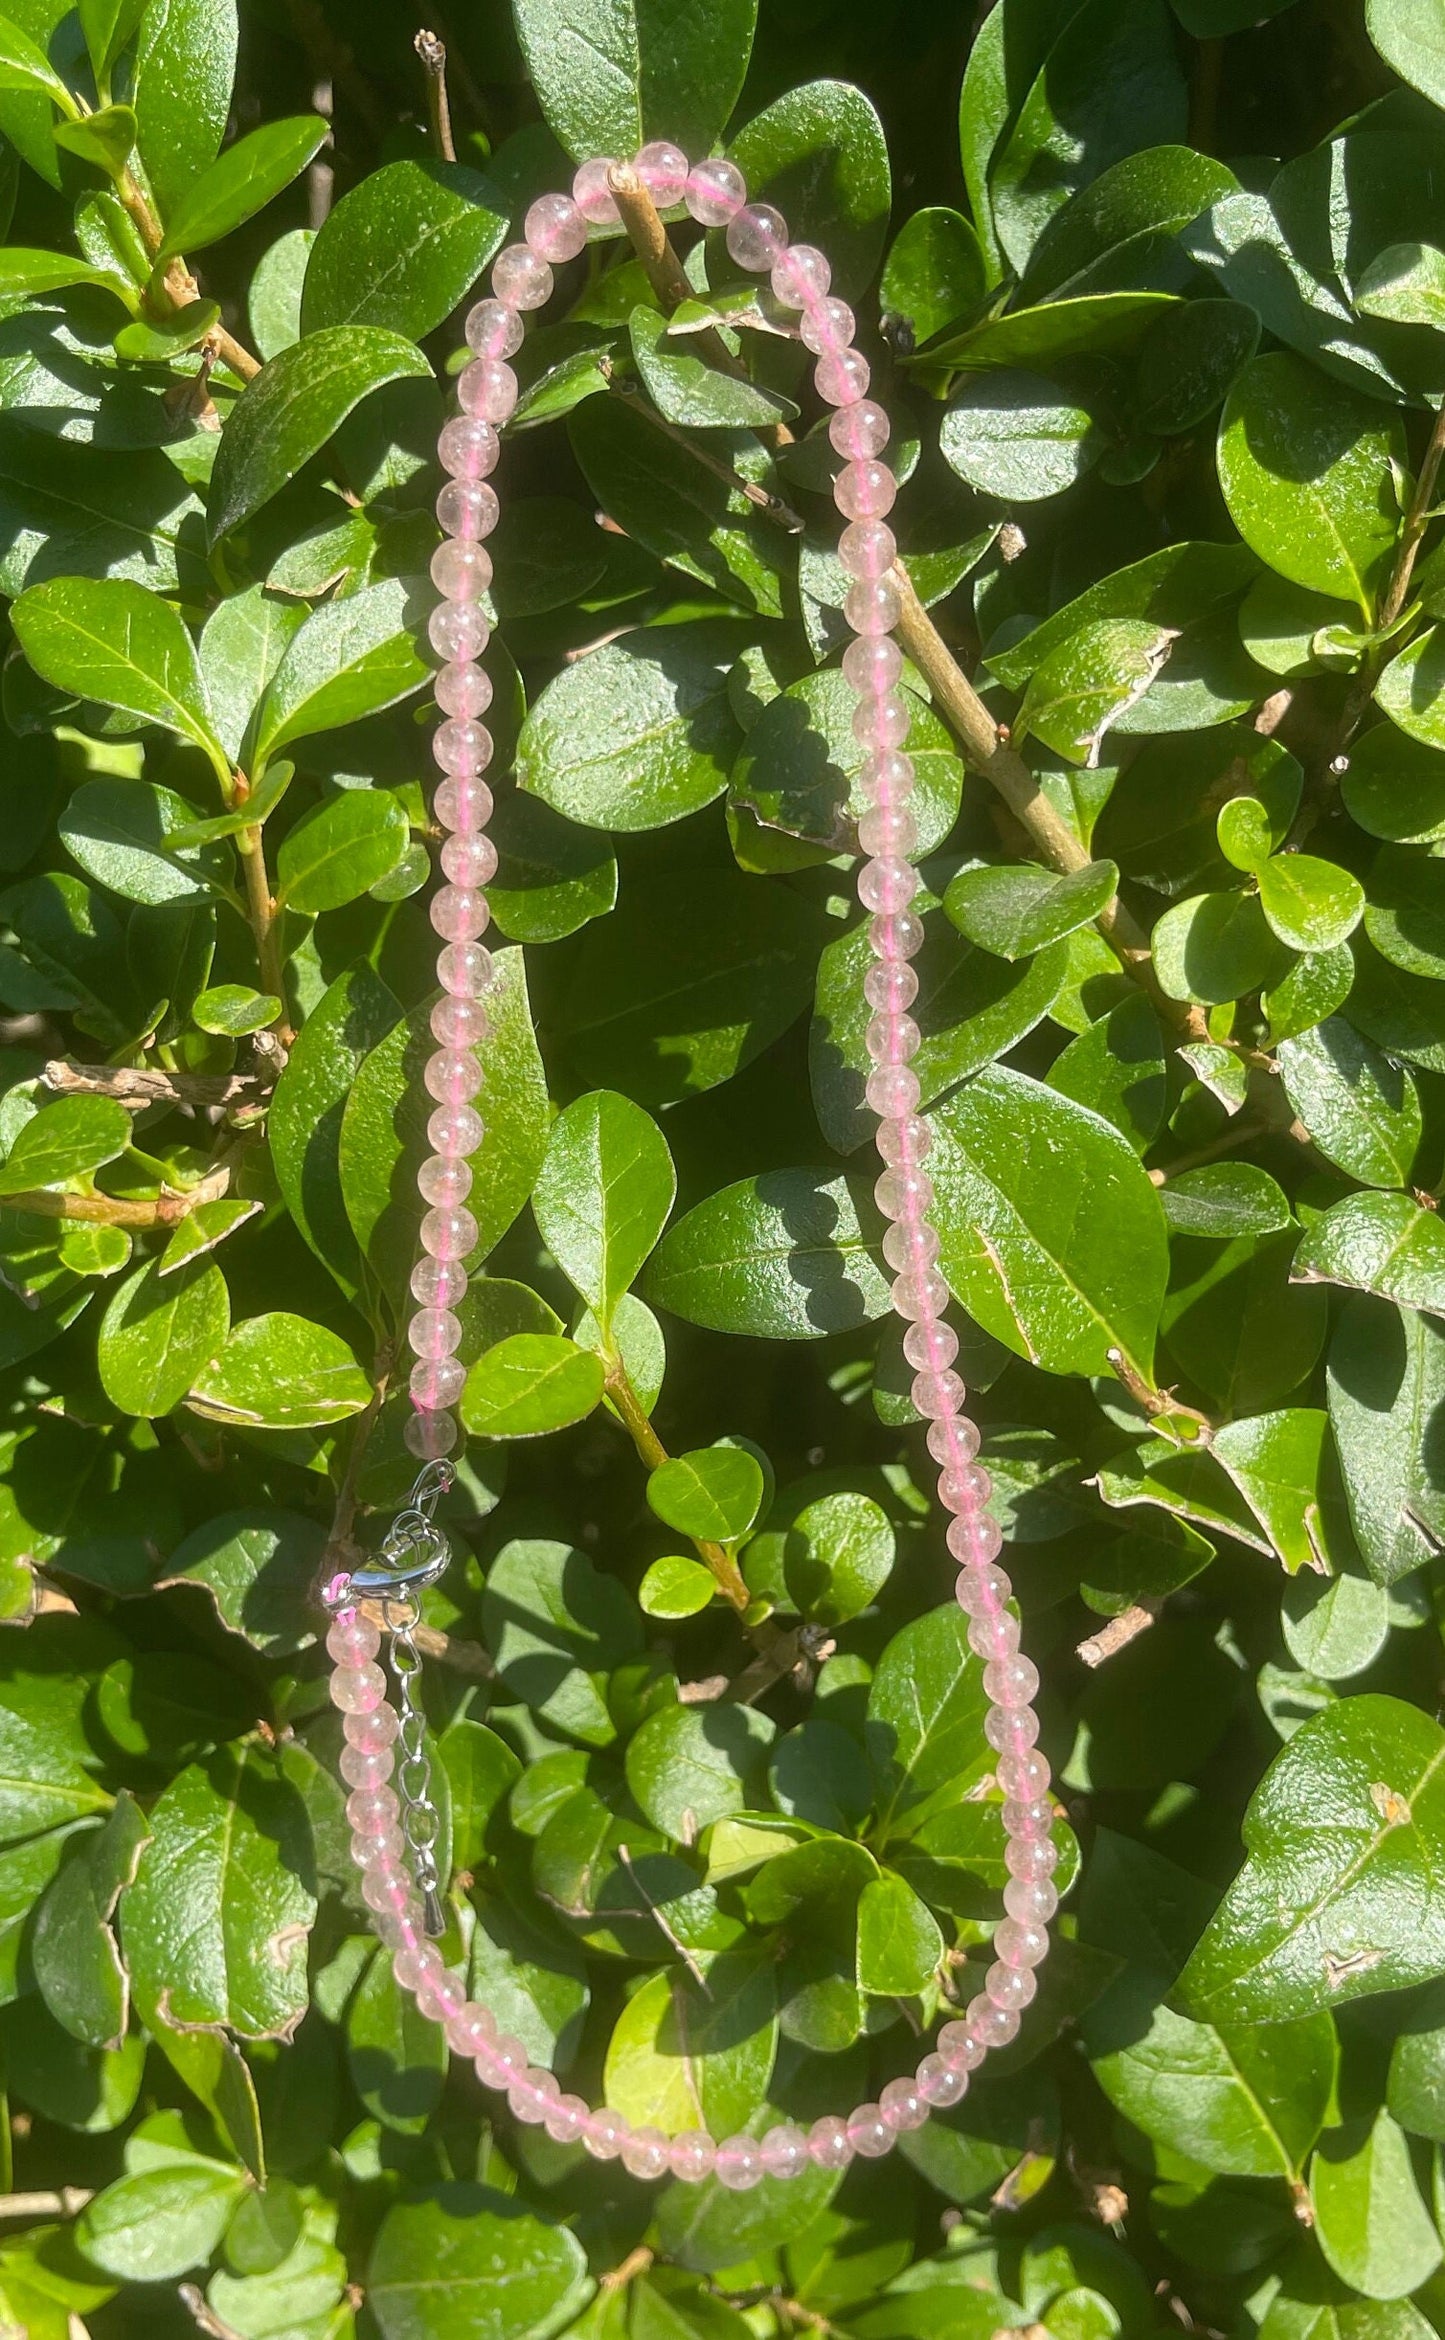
(1118, 1633)
(664, 271)
(1417, 519)
(636, 2263)
(673, 1939)
(433, 55)
(772, 507)
(204, 2317)
(113, 1210)
(68, 2202)
(138, 1086)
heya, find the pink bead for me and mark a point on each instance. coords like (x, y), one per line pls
(829, 2145)
(952, 1443)
(903, 1144)
(532, 2096)
(463, 968)
(902, 2106)
(958, 2048)
(463, 803)
(869, 2133)
(522, 279)
(461, 572)
(994, 1637)
(939, 2084)
(469, 860)
(459, 1023)
(593, 196)
(873, 605)
(565, 2118)
(398, 1933)
(739, 2164)
(801, 275)
(501, 2061)
(1028, 1818)
(646, 2154)
(371, 1811)
(435, 1332)
(930, 1346)
(387, 1890)
(912, 1244)
(868, 549)
(891, 1089)
(716, 191)
(692, 2155)
(458, 630)
(937, 1394)
(1009, 1731)
(555, 228)
(493, 330)
(461, 747)
(358, 1689)
(441, 1997)
(365, 1771)
(1032, 1900)
(456, 1131)
(874, 665)
(437, 1383)
(757, 236)
(462, 689)
(1011, 1682)
(866, 490)
(471, 2029)
(784, 2151)
(975, 1541)
(604, 2133)
(438, 1283)
(841, 377)
(888, 886)
(452, 1076)
(964, 1490)
(859, 431)
(468, 447)
(430, 1434)
(983, 1590)
(893, 985)
(352, 1640)
(663, 170)
(385, 1851)
(1025, 1777)
(414, 1967)
(468, 508)
(827, 327)
(1020, 1942)
(1010, 1987)
(1031, 1857)
(885, 722)
(888, 777)
(992, 2027)
(488, 388)
(372, 1731)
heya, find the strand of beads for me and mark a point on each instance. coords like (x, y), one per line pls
(556, 230)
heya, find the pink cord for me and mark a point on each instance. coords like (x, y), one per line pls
(556, 230)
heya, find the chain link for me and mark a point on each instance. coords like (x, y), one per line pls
(420, 1819)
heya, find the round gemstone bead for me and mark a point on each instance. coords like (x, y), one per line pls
(493, 330)
(435, 1332)
(469, 860)
(866, 490)
(358, 1689)
(352, 1640)
(663, 170)
(739, 2164)
(859, 431)
(873, 605)
(452, 1076)
(1010, 1987)
(801, 275)
(992, 2027)
(841, 376)
(784, 2150)
(464, 968)
(827, 326)
(869, 2133)
(437, 1382)
(939, 2084)
(902, 2106)
(463, 801)
(488, 388)
(592, 194)
(757, 236)
(468, 447)
(430, 1434)
(468, 508)
(692, 2155)
(458, 630)
(716, 191)
(564, 2119)
(645, 2153)
(604, 2133)
(829, 2144)
(462, 748)
(555, 228)
(463, 689)
(522, 279)
(461, 572)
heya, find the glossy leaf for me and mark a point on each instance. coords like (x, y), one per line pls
(529, 1384)
(1305, 468)
(242, 181)
(782, 1256)
(281, 1372)
(293, 407)
(603, 1195)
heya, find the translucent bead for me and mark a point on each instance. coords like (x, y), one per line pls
(488, 388)
(1020, 1942)
(593, 196)
(892, 985)
(892, 1089)
(1011, 1681)
(975, 1541)
(800, 276)
(867, 549)
(1024, 1776)
(442, 1996)
(892, 1040)
(937, 1394)
(994, 1637)
(387, 1889)
(964, 1490)
(449, 1234)
(430, 1434)
(981, 1590)
(873, 605)
(1028, 1818)
(931, 1346)
(865, 491)
(473, 2028)
(437, 1383)
(365, 1771)
(507, 2057)
(897, 936)
(468, 447)
(459, 1023)
(458, 630)
(827, 326)
(829, 2145)
(873, 665)
(939, 2084)
(469, 861)
(869, 2133)
(757, 236)
(435, 1332)
(462, 689)
(459, 914)
(604, 2133)
(883, 722)
(958, 2048)
(663, 170)
(456, 1130)
(357, 1689)
(461, 572)
(1009, 1730)
(887, 885)
(953, 1443)
(532, 2097)
(564, 2118)
(464, 968)
(464, 801)
(738, 2164)
(888, 777)
(691, 2156)
(919, 1295)
(352, 1640)
(901, 2105)
(859, 431)
(462, 748)
(645, 2154)
(370, 1731)
(1033, 1900)
(841, 376)
(522, 279)
(992, 2027)
(372, 1811)
(904, 1143)
(784, 2150)
(716, 191)
(468, 508)
(452, 1076)
(1030, 1858)
(493, 330)
(555, 228)
(412, 1967)
(1011, 1987)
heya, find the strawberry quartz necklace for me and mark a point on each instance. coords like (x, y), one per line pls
(393, 1821)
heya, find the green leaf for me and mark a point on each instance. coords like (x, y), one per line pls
(1245, 1336)
(305, 1121)
(1383, 1243)
(242, 642)
(936, 271)
(609, 78)
(1409, 37)
(481, 1769)
(25, 273)
(341, 850)
(402, 248)
(123, 834)
(215, 1925)
(556, 1627)
(534, 1981)
(1410, 688)
(66, 1140)
(294, 405)
(1335, 1627)
(694, 395)
(185, 65)
(553, 876)
(820, 155)
(713, 1495)
(1016, 435)
(691, 2053)
(1284, 1466)
(464, 2263)
(1216, 947)
(925, 1716)
(24, 65)
(838, 1554)
(159, 2223)
(781, 1256)
(1361, 1109)
(1311, 905)
(688, 1766)
(1306, 468)
(1224, 1200)
(603, 1195)
(73, 1948)
(1386, 1381)
(398, 2057)
(280, 1372)
(1080, 690)
(1404, 284)
(899, 1943)
(351, 658)
(241, 182)
(1053, 1237)
(676, 1587)
(1339, 1896)
(530, 1384)
(678, 507)
(637, 734)
(1370, 2222)
(234, 1010)
(159, 1334)
(1119, 231)
(108, 639)
(1018, 909)
(257, 1566)
(800, 773)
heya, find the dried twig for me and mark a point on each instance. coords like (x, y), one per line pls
(433, 55)
(150, 1085)
(1118, 1633)
(67, 2202)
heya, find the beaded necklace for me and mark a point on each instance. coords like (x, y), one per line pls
(385, 1762)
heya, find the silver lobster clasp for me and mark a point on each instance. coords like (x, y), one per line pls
(414, 1551)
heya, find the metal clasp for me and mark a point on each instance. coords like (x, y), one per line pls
(414, 1551)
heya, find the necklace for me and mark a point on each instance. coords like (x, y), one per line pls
(385, 1762)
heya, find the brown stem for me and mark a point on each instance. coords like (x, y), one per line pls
(178, 286)
(262, 911)
(636, 2263)
(114, 1210)
(664, 271)
(653, 1453)
(343, 1518)
(205, 2318)
(433, 55)
(771, 507)
(464, 1657)
(1118, 1633)
(148, 1085)
(68, 2202)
